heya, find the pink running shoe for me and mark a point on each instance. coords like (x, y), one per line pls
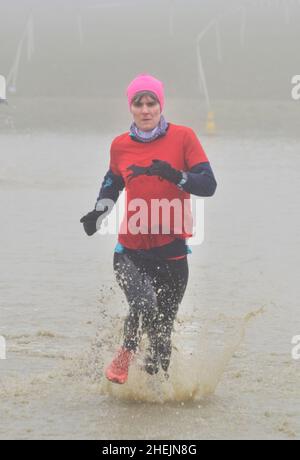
(117, 371)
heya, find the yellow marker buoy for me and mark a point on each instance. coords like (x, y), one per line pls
(210, 123)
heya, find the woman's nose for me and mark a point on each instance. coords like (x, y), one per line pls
(145, 108)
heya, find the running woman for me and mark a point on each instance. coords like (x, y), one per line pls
(155, 162)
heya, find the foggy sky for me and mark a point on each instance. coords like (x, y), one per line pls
(84, 51)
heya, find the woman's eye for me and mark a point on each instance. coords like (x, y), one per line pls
(149, 104)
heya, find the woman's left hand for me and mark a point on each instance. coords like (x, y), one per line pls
(164, 170)
(159, 168)
(137, 171)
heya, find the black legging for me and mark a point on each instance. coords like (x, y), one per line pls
(154, 290)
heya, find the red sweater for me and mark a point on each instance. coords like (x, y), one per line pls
(181, 148)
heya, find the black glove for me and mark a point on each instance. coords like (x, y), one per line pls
(89, 221)
(164, 170)
(137, 171)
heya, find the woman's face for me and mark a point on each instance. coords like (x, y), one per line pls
(146, 113)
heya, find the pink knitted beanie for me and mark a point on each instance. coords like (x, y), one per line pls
(145, 82)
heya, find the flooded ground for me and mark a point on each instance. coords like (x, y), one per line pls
(232, 374)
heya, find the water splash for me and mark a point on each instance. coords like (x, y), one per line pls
(202, 348)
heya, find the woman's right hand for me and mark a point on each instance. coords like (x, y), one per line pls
(89, 221)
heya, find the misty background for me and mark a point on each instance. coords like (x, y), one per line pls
(68, 63)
